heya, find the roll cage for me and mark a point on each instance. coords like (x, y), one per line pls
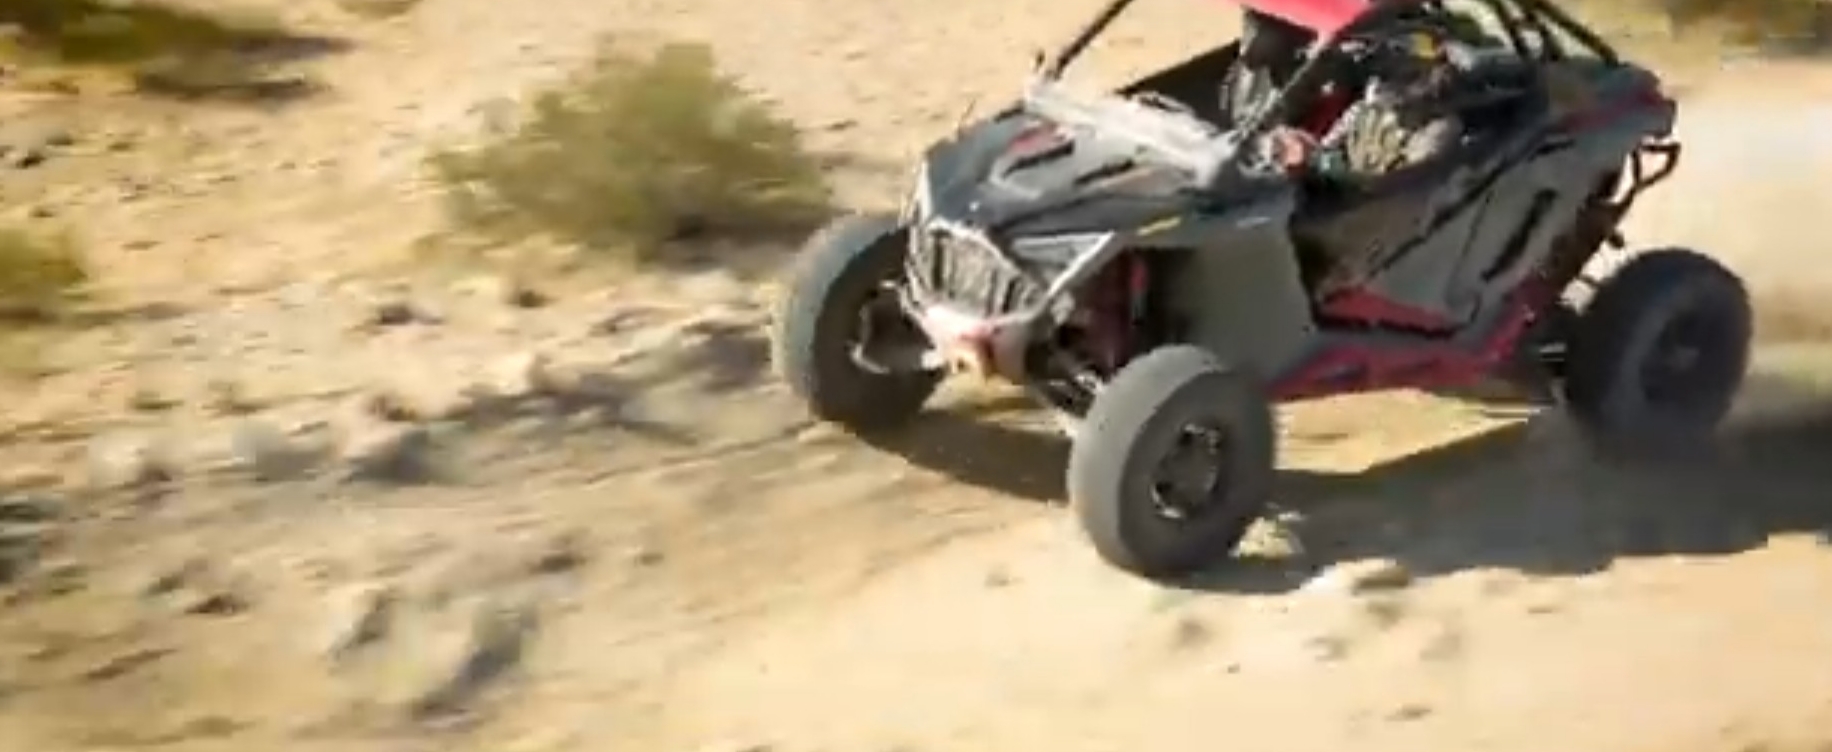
(1524, 22)
(1536, 30)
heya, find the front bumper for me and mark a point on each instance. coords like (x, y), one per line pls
(980, 306)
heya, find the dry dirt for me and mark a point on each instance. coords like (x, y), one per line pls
(595, 524)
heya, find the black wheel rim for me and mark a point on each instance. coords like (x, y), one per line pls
(1688, 361)
(1190, 482)
(878, 325)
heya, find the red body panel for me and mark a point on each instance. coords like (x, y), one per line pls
(1325, 17)
(1353, 364)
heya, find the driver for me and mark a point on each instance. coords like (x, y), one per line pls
(1398, 120)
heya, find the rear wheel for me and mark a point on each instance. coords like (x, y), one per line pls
(1658, 355)
(1173, 463)
(839, 307)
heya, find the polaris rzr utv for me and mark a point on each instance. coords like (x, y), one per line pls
(1139, 264)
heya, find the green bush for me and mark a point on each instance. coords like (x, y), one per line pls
(635, 152)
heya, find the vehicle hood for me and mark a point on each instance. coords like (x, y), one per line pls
(1020, 175)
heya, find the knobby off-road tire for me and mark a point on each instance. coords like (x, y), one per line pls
(816, 322)
(1134, 425)
(1627, 382)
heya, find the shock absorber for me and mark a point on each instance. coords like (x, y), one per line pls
(1138, 304)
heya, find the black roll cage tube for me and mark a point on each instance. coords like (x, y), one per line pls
(1537, 12)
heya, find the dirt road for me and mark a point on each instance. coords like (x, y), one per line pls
(685, 563)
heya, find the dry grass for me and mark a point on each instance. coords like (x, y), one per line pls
(1769, 23)
(40, 275)
(634, 153)
(1794, 25)
(378, 9)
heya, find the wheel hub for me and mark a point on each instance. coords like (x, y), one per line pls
(1192, 476)
(883, 341)
(1678, 366)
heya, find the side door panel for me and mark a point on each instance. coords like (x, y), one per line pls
(1531, 205)
(1421, 275)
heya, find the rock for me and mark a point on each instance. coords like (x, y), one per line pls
(1191, 632)
(391, 313)
(507, 290)
(622, 320)
(129, 461)
(418, 404)
(147, 398)
(176, 578)
(497, 638)
(522, 375)
(219, 603)
(522, 296)
(562, 553)
(1411, 711)
(122, 664)
(1326, 648)
(1384, 612)
(1275, 539)
(361, 616)
(271, 453)
(229, 397)
(1358, 577)
(388, 452)
(581, 386)
(645, 556)
(26, 157)
(195, 588)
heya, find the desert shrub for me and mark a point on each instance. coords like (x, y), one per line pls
(95, 31)
(40, 274)
(634, 152)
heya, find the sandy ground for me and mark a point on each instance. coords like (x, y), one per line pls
(636, 542)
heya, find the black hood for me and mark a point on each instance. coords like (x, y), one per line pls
(1017, 175)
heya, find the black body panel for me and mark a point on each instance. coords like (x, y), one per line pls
(1017, 175)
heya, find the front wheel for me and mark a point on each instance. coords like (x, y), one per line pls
(839, 299)
(1658, 355)
(1174, 462)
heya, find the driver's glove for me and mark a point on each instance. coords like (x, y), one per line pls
(1293, 150)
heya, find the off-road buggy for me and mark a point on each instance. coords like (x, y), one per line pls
(1137, 263)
